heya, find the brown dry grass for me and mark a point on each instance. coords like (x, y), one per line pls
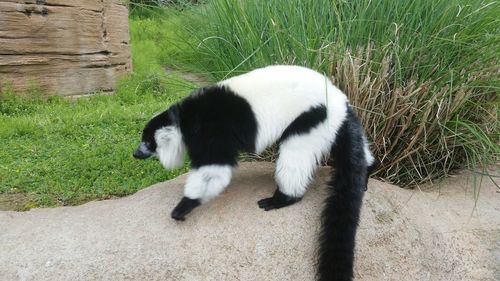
(417, 128)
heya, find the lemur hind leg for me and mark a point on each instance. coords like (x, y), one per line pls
(203, 184)
(279, 200)
(299, 157)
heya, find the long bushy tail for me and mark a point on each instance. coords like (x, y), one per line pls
(340, 216)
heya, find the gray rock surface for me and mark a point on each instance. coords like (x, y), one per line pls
(438, 234)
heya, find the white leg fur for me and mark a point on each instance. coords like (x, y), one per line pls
(299, 156)
(207, 182)
(170, 148)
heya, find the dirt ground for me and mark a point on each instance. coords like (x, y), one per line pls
(441, 233)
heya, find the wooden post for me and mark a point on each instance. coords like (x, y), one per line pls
(66, 47)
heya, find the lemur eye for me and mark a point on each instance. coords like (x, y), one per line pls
(148, 145)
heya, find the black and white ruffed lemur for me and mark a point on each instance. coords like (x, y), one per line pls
(295, 107)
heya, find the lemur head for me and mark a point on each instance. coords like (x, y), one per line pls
(162, 137)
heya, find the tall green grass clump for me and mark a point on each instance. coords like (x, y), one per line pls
(159, 38)
(423, 75)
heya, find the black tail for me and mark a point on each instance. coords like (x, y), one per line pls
(340, 217)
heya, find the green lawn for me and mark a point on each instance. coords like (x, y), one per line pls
(63, 152)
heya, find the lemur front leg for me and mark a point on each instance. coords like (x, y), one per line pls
(203, 184)
(184, 207)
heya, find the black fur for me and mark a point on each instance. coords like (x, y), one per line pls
(166, 118)
(305, 122)
(343, 205)
(229, 126)
(279, 200)
(184, 207)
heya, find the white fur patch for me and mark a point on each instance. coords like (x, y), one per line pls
(368, 154)
(207, 182)
(170, 148)
(300, 155)
(279, 94)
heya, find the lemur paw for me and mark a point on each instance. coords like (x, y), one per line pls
(279, 200)
(183, 208)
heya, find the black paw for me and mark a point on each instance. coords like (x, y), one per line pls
(279, 200)
(183, 208)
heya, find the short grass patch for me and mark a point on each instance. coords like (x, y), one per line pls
(67, 152)
(55, 151)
